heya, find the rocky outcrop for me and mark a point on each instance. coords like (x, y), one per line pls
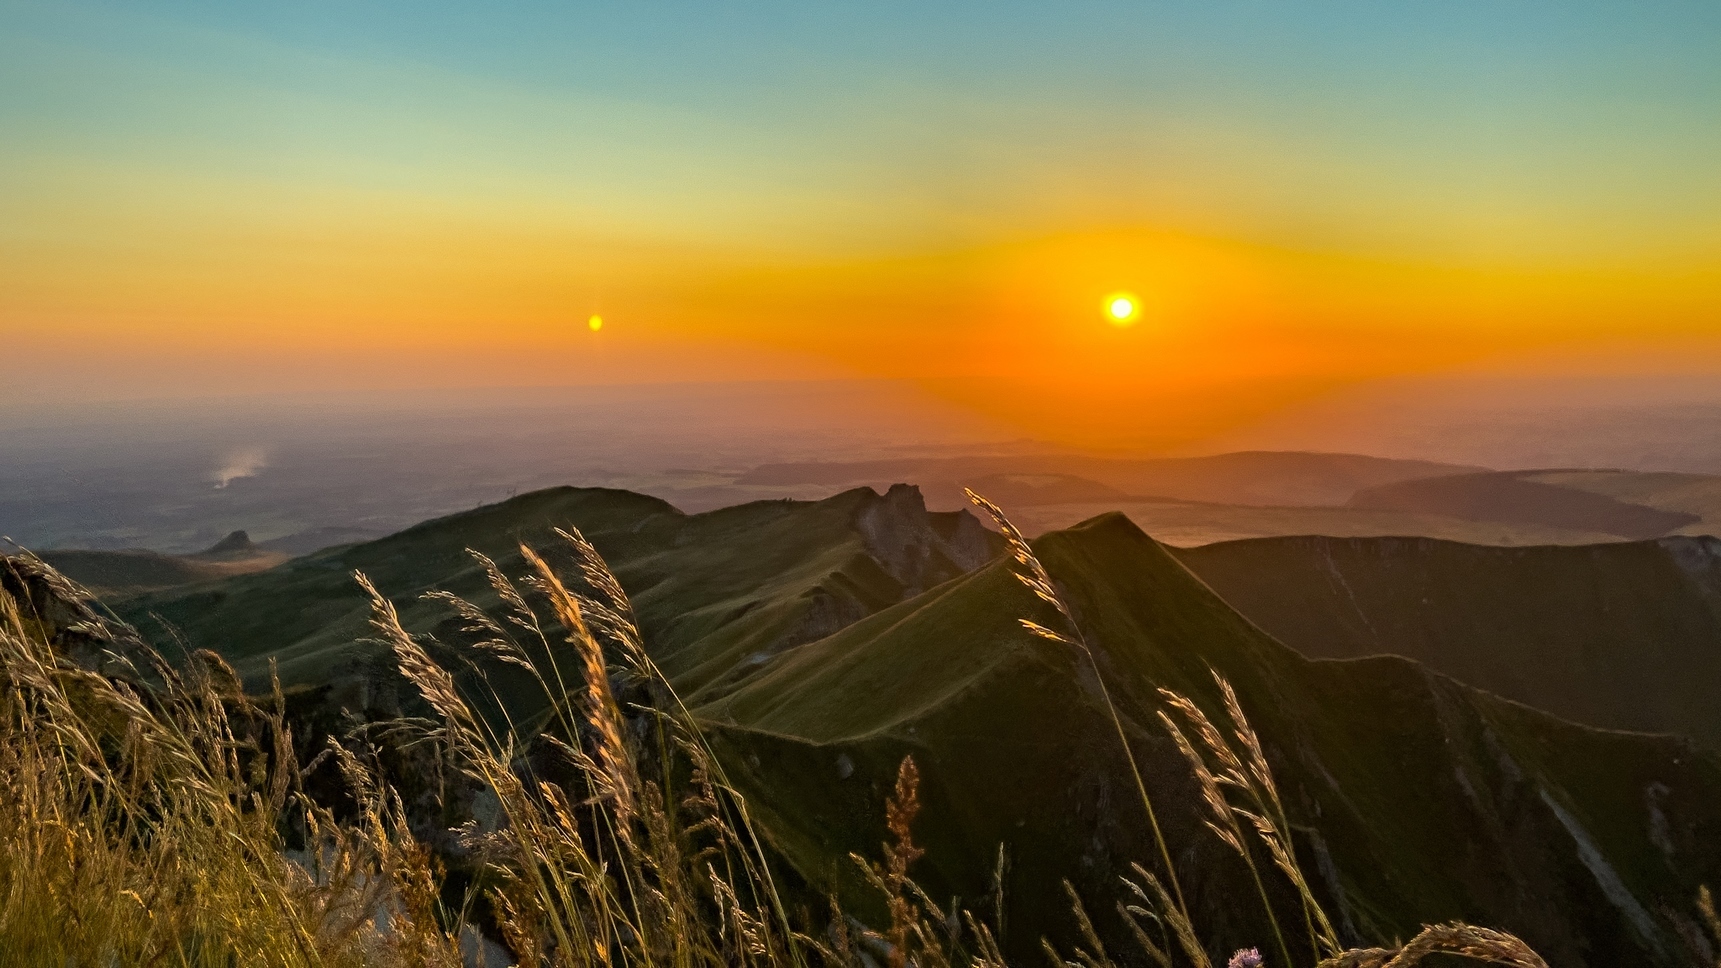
(918, 548)
(238, 544)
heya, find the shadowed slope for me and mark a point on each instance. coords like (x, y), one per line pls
(1621, 635)
(1422, 799)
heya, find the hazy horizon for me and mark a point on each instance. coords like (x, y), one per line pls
(397, 258)
(175, 475)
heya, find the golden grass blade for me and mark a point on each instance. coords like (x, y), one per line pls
(1037, 578)
(1463, 940)
(602, 714)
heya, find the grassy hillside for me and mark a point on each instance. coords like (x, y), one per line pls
(169, 831)
(1624, 635)
(714, 592)
(1421, 798)
(820, 642)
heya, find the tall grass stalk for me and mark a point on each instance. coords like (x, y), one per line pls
(628, 881)
(1032, 573)
(146, 824)
(1244, 768)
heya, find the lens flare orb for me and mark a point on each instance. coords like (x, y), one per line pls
(1122, 308)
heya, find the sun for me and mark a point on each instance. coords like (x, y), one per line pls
(595, 323)
(1122, 308)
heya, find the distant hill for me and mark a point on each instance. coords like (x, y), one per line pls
(1519, 497)
(132, 571)
(1691, 494)
(1227, 497)
(1191, 523)
(1247, 478)
(316, 539)
(1201, 500)
(1623, 635)
(819, 642)
(236, 545)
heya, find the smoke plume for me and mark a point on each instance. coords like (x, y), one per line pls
(245, 462)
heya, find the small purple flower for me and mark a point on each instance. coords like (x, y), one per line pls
(1245, 958)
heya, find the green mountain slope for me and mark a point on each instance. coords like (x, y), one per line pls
(716, 593)
(820, 642)
(1421, 798)
(1624, 635)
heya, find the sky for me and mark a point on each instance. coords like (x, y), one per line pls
(206, 199)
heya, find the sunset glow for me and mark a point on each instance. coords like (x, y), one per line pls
(202, 200)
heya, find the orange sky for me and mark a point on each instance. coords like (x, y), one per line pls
(1228, 330)
(196, 205)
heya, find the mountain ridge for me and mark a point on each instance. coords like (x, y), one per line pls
(1415, 797)
(981, 733)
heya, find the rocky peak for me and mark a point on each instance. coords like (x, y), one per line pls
(235, 545)
(917, 547)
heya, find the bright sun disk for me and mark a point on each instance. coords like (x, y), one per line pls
(1122, 308)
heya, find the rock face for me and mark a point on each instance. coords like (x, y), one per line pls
(912, 548)
(918, 548)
